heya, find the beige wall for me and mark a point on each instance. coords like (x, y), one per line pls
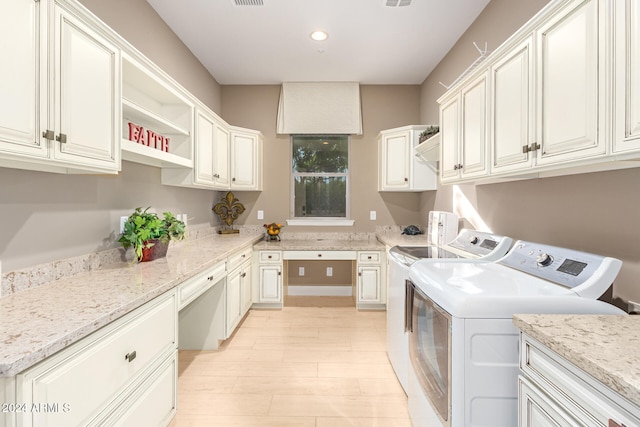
(383, 107)
(595, 212)
(140, 25)
(47, 217)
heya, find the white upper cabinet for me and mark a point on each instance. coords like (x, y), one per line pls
(221, 157)
(22, 85)
(512, 124)
(570, 66)
(399, 169)
(627, 76)
(204, 143)
(246, 160)
(55, 118)
(548, 99)
(463, 132)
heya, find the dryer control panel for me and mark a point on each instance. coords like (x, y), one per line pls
(578, 270)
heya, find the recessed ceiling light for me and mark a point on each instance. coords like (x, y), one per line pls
(319, 35)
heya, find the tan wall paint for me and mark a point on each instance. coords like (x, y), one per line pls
(383, 107)
(140, 25)
(595, 212)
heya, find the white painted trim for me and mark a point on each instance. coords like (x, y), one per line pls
(317, 290)
(329, 222)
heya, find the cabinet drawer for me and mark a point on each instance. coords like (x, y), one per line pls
(89, 374)
(235, 260)
(154, 402)
(330, 255)
(270, 256)
(372, 257)
(580, 394)
(197, 285)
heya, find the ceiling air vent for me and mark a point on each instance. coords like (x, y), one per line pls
(397, 3)
(248, 2)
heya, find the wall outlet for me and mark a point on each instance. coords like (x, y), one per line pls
(301, 271)
(329, 271)
(634, 307)
(372, 215)
(183, 219)
(123, 219)
(260, 214)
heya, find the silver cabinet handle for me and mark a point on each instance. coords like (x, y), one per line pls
(130, 356)
(61, 138)
(48, 134)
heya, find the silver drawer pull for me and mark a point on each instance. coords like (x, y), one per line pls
(210, 278)
(130, 356)
(61, 138)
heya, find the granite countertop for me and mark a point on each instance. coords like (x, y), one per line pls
(38, 322)
(597, 344)
(322, 245)
(396, 238)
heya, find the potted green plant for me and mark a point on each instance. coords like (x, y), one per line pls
(149, 235)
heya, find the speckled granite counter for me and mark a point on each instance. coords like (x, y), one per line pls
(396, 238)
(38, 322)
(322, 245)
(599, 345)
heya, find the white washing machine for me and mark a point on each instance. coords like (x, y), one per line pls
(468, 246)
(463, 344)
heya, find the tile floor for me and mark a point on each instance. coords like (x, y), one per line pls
(298, 367)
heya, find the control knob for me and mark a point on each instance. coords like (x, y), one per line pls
(474, 240)
(544, 260)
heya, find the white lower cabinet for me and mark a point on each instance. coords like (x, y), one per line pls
(267, 282)
(555, 392)
(125, 366)
(238, 280)
(371, 288)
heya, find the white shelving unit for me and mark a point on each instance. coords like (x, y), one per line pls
(150, 102)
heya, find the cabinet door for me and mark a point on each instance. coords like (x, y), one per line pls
(270, 280)
(87, 95)
(537, 410)
(244, 161)
(474, 130)
(204, 142)
(449, 140)
(512, 124)
(22, 88)
(627, 78)
(369, 284)
(221, 157)
(245, 289)
(395, 153)
(233, 301)
(571, 76)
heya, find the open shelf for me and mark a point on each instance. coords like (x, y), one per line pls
(138, 153)
(153, 101)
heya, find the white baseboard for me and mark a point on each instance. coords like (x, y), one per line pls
(320, 291)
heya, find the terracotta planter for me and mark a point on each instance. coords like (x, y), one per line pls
(158, 250)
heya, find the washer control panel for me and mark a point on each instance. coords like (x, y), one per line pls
(563, 266)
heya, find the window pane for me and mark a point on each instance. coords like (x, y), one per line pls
(320, 153)
(321, 196)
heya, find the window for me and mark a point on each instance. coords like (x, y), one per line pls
(320, 177)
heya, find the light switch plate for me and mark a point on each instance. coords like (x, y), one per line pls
(372, 215)
(329, 271)
(260, 214)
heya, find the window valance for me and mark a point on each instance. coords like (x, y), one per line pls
(319, 108)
